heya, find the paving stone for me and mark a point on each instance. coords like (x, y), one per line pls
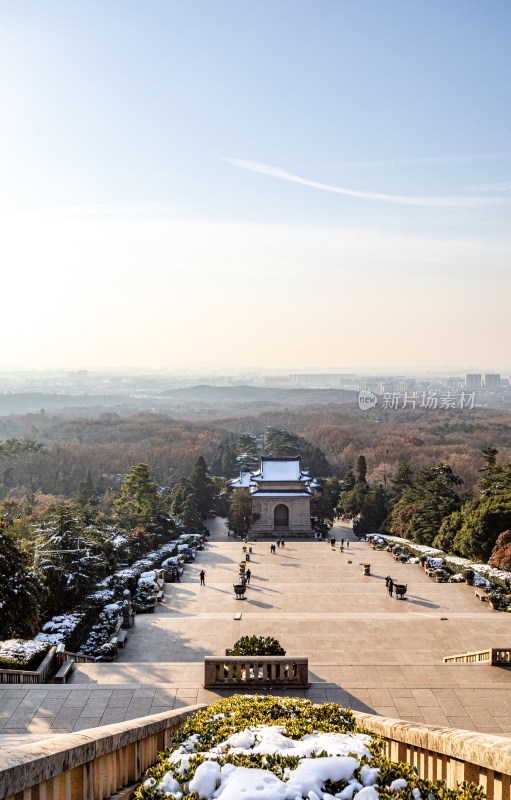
(365, 649)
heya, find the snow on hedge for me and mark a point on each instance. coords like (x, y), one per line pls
(274, 748)
(489, 574)
(60, 628)
(22, 653)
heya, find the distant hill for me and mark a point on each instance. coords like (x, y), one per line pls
(215, 395)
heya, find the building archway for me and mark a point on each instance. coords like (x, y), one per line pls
(281, 516)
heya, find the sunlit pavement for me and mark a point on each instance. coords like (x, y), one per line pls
(365, 649)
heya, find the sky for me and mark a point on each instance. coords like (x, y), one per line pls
(269, 183)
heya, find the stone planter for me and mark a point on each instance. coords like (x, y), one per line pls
(367, 569)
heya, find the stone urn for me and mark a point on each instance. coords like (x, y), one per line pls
(239, 590)
(367, 569)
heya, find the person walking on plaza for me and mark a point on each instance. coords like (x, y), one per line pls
(202, 576)
(348, 543)
(391, 586)
(342, 542)
(387, 581)
(278, 542)
(248, 574)
(282, 542)
(178, 578)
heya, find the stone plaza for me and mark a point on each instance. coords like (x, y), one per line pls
(366, 650)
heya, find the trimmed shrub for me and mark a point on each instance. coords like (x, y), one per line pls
(257, 646)
(25, 654)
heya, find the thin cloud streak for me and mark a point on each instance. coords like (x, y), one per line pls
(425, 162)
(504, 186)
(424, 202)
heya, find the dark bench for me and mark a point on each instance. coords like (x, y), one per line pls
(121, 637)
(480, 594)
(65, 670)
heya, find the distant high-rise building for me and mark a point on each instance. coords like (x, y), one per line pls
(406, 385)
(492, 380)
(473, 380)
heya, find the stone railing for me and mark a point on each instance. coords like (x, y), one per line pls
(97, 763)
(42, 674)
(239, 671)
(446, 754)
(90, 765)
(492, 655)
(79, 658)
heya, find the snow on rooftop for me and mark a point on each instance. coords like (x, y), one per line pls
(243, 481)
(280, 469)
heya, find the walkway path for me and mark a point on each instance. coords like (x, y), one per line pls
(365, 649)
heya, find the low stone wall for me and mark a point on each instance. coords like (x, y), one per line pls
(42, 674)
(447, 754)
(256, 671)
(90, 765)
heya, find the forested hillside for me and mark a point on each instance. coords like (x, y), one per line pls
(53, 454)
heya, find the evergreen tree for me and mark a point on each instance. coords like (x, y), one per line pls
(190, 516)
(216, 461)
(402, 479)
(361, 469)
(490, 459)
(203, 488)
(349, 479)
(372, 513)
(70, 564)
(241, 512)
(449, 529)
(87, 498)
(482, 526)
(230, 466)
(138, 499)
(422, 507)
(20, 590)
(180, 493)
(324, 504)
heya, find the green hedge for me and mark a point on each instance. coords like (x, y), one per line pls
(296, 718)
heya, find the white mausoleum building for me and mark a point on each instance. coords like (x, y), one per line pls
(281, 492)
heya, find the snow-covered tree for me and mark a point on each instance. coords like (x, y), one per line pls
(69, 560)
(20, 589)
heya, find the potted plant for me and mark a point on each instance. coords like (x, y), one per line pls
(108, 651)
(469, 577)
(367, 569)
(439, 575)
(494, 599)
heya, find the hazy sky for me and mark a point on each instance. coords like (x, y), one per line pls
(260, 182)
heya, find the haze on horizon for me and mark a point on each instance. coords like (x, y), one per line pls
(195, 185)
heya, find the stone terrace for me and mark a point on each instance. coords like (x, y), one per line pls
(366, 650)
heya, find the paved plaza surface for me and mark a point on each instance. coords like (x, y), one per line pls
(366, 650)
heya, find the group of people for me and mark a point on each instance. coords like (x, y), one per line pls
(343, 542)
(389, 583)
(280, 543)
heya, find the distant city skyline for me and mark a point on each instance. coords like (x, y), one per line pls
(202, 185)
